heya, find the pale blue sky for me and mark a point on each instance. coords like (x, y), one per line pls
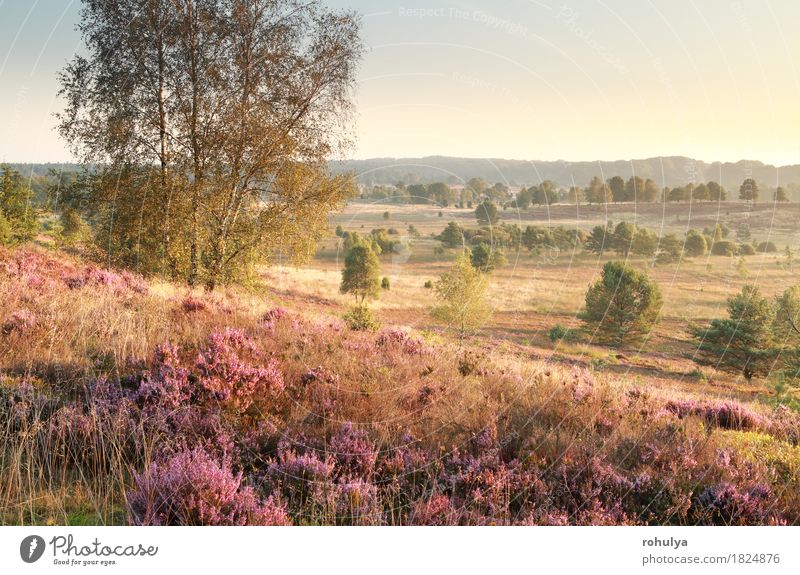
(525, 79)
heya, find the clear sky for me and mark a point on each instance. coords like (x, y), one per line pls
(523, 79)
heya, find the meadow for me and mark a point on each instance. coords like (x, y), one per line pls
(132, 401)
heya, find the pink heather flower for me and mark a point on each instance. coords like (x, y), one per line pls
(192, 488)
(167, 384)
(354, 453)
(228, 378)
(437, 510)
(724, 414)
(583, 384)
(192, 304)
(402, 340)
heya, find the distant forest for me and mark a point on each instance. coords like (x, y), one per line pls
(669, 172)
(665, 171)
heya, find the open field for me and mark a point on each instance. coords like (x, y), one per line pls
(533, 292)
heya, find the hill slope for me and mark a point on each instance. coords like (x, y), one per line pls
(129, 402)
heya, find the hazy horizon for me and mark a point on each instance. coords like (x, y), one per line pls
(531, 81)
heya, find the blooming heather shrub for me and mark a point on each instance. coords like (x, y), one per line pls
(728, 504)
(356, 502)
(583, 384)
(192, 488)
(167, 384)
(191, 304)
(122, 283)
(400, 339)
(437, 510)
(725, 414)
(304, 477)
(226, 375)
(274, 316)
(354, 454)
(21, 322)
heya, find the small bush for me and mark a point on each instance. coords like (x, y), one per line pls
(560, 333)
(724, 248)
(746, 250)
(361, 318)
(429, 284)
(385, 284)
(767, 247)
(192, 488)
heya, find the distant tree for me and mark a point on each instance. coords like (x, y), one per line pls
(781, 195)
(598, 192)
(441, 194)
(651, 191)
(339, 231)
(634, 189)
(524, 198)
(617, 187)
(669, 250)
(575, 195)
(498, 192)
(599, 240)
(748, 190)
(73, 229)
(744, 341)
(678, 194)
(477, 186)
(461, 295)
(545, 193)
(6, 233)
(695, 244)
(452, 236)
(786, 330)
(481, 258)
(387, 216)
(17, 210)
(623, 238)
(486, 213)
(716, 192)
(385, 283)
(701, 193)
(622, 306)
(361, 274)
(645, 243)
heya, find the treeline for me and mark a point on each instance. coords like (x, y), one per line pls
(598, 191)
(623, 238)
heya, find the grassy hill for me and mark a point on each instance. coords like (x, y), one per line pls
(127, 401)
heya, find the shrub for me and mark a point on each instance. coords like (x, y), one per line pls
(622, 306)
(192, 488)
(428, 284)
(560, 333)
(361, 318)
(724, 248)
(745, 250)
(695, 244)
(226, 375)
(385, 283)
(767, 247)
(191, 304)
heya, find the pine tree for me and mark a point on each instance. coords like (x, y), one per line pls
(744, 341)
(622, 306)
